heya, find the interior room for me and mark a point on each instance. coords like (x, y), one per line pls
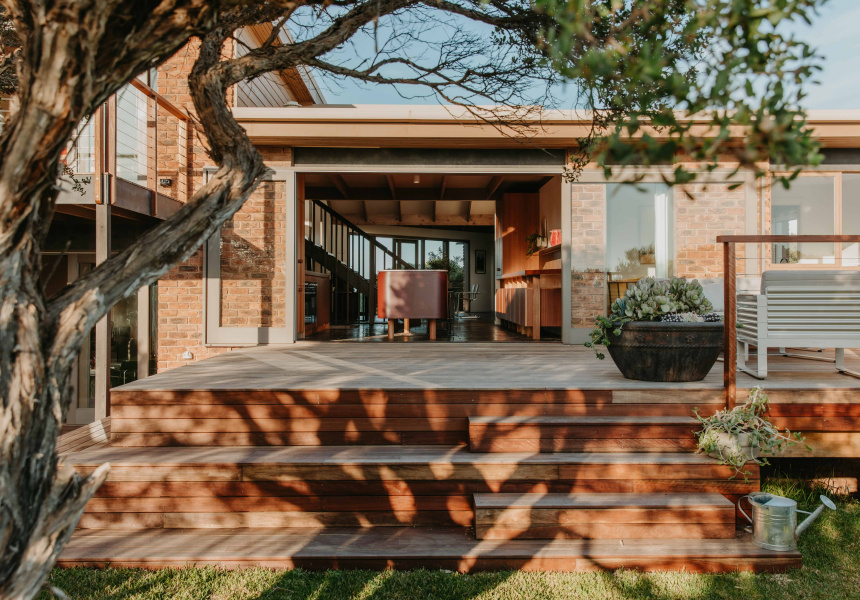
(495, 236)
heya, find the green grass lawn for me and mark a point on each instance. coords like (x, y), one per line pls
(831, 569)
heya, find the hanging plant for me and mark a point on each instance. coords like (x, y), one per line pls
(738, 436)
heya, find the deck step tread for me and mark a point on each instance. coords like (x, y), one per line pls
(364, 455)
(453, 548)
(582, 420)
(573, 501)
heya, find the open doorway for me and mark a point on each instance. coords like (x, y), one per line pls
(359, 225)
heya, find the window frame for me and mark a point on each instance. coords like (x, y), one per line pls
(837, 221)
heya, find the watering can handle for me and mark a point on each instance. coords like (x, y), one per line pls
(741, 508)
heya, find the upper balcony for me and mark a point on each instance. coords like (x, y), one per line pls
(132, 154)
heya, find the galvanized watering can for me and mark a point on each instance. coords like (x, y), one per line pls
(774, 520)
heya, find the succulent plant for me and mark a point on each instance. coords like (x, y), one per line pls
(749, 419)
(691, 317)
(650, 299)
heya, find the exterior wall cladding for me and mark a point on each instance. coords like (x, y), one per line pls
(253, 247)
(253, 250)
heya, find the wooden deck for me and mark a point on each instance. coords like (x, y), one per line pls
(312, 394)
(405, 548)
(433, 366)
(357, 455)
(391, 506)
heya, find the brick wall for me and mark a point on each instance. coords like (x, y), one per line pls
(253, 257)
(253, 252)
(588, 257)
(253, 280)
(702, 212)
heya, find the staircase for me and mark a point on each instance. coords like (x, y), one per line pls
(582, 434)
(405, 478)
(603, 516)
(336, 246)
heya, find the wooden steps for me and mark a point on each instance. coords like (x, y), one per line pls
(410, 548)
(84, 437)
(362, 487)
(603, 516)
(264, 417)
(639, 433)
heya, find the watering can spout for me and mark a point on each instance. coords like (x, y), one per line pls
(825, 502)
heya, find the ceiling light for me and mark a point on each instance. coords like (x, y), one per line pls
(416, 179)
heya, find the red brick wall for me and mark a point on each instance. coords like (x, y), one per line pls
(254, 287)
(702, 212)
(253, 257)
(588, 257)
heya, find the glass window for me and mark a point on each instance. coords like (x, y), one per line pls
(434, 251)
(640, 231)
(407, 251)
(807, 208)
(851, 218)
(123, 341)
(457, 252)
(384, 260)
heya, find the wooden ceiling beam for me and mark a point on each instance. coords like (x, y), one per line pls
(393, 190)
(341, 186)
(403, 195)
(344, 190)
(493, 186)
(419, 220)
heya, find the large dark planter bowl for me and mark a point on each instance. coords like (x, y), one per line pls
(657, 351)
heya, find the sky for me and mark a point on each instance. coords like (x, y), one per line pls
(834, 33)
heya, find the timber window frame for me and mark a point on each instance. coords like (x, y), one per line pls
(838, 225)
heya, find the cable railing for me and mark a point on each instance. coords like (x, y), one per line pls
(131, 135)
(795, 311)
(137, 141)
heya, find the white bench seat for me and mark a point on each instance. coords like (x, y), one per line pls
(810, 309)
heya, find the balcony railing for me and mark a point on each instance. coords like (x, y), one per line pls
(730, 261)
(135, 152)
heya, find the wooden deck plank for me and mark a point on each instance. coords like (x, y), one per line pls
(416, 491)
(638, 500)
(409, 548)
(484, 407)
(361, 455)
(429, 367)
(579, 530)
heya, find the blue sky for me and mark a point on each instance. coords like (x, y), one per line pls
(834, 33)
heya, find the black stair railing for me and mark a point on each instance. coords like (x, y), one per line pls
(335, 245)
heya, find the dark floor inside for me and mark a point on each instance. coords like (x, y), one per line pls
(476, 327)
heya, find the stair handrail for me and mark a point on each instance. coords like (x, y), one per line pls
(370, 238)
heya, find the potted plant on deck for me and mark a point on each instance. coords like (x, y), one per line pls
(741, 434)
(661, 330)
